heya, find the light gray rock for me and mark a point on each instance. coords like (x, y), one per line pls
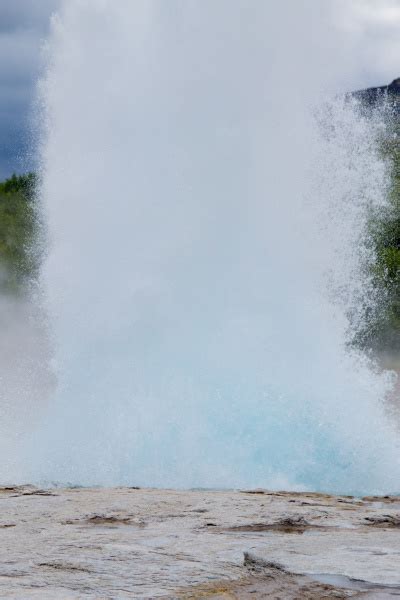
(132, 543)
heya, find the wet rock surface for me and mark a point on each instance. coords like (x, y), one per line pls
(143, 543)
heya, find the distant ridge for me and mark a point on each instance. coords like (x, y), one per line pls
(375, 94)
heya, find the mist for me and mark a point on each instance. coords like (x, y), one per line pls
(206, 190)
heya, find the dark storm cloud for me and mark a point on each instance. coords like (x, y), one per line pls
(16, 14)
(23, 26)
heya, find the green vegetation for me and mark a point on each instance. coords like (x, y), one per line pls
(381, 330)
(18, 228)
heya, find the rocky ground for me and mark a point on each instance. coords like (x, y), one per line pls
(143, 543)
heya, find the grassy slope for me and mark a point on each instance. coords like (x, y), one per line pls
(382, 332)
(18, 262)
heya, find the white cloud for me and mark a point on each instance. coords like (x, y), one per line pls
(385, 12)
(374, 26)
(371, 27)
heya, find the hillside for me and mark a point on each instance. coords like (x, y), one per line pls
(374, 95)
(18, 261)
(382, 329)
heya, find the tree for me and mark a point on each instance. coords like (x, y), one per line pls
(18, 230)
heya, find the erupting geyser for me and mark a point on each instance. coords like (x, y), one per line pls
(205, 243)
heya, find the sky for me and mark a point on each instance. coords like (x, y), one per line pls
(24, 25)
